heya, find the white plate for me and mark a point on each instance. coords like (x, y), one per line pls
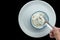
(24, 18)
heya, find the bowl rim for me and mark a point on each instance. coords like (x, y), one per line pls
(41, 27)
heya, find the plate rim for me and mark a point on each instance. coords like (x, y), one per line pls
(20, 24)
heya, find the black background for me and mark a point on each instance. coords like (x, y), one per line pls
(20, 34)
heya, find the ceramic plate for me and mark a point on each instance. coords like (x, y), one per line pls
(25, 14)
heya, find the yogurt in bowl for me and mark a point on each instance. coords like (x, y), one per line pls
(37, 19)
